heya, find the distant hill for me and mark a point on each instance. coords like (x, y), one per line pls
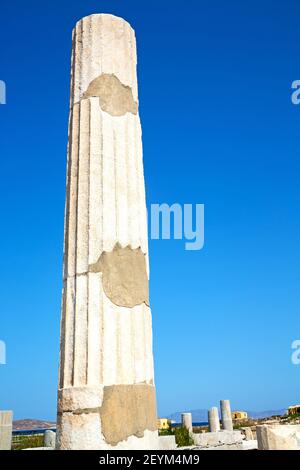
(200, 416)
(30, 424)
(265, 414)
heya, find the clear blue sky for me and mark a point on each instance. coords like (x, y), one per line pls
(219, 128)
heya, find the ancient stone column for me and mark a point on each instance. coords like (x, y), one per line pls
(187, 422)
(49, 438)
(226, 415)
(106, 397)
(213, 419)
(6, 418)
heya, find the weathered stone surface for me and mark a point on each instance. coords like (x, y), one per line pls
(79, 398)
(245, 445)
(226, 415)
(278, 437)
(217, 438)
(6, 418)
(106, 326)
(167, 443)
(79, 431)
(102, 44)
(134, 405)
(249, 445)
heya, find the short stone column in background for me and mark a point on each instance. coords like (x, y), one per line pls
(49, 438)
(6, 418)
(187, 422)
(226, 415)
(213, 419)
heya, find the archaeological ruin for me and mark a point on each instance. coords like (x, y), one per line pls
(106, 396)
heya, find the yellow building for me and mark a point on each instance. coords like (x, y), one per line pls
(239, 415)
(163, 423)
(294, 410)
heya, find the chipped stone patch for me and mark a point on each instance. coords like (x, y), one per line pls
(115, 98)
(125, 280)
(134, 405)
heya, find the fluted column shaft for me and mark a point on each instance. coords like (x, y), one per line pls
(106, 395)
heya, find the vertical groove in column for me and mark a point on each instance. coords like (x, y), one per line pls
(118, 348)
(70, 286)
(73, 63)
(95, 236)
(63, 339)
(115, 181)
(88, 239)
(76, 82)
(134, 339)
(133, 62)
(80, 58)
(139, 347)
(75, 239)
(143, 342)
(69, 251)
(71, 209)
(102, 182)
(134, 200)
(137, 182)
(81, 308)
(91, 45)
(83, 189)
(145, 339)
(67, 203)
(101, 45)
(142, 194)
(108, 208)
(132, 346)
(102, 343)
(110, 339)
(127, 175)
(121, 181)
(148, 334)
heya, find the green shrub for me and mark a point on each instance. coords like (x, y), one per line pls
(292, 417)
(166, 432)
(183, 437)
(28, 442)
